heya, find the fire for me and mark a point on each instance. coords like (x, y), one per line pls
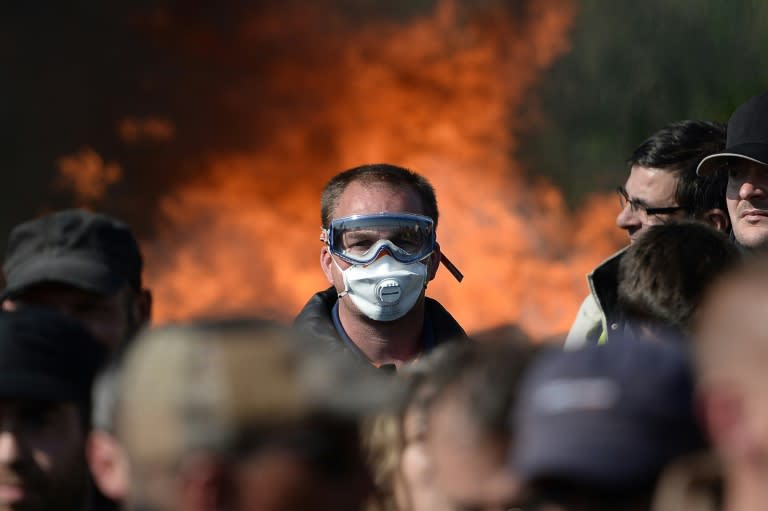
(87, 175)
(437, 94)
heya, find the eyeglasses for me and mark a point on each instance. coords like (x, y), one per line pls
(637, 206)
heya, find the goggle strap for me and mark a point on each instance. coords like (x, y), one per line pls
(451, 267)
(443, 259)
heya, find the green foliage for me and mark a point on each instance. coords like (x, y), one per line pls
(634, 67)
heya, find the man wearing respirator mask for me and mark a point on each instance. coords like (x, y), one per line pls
(379, 253)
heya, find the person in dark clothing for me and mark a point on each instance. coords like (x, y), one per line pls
(85, 265)
(47, 364)
(379, 253)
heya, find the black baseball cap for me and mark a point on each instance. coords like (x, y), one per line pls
(607, 416)
(45, 355)
(85, 250)
(747, 136)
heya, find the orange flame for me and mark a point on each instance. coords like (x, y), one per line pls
(87, 175)
(437, 95)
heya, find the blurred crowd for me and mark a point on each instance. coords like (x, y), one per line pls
(375, 398)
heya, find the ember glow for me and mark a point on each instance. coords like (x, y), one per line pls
(438, 94)
(87, 175)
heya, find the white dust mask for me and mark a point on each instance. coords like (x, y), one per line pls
(386, 289)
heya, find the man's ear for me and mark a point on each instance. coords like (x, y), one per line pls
(326, 263)
(143, 307)
(718, 219)
(434, 262)
(109, 467)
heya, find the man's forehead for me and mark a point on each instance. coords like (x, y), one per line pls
(450, 414)
(731, 320)
(738, 303)
(651, 175)
(650, 183)
(363, 198)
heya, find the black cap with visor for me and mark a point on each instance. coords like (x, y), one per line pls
(747, 137)
(89, 251)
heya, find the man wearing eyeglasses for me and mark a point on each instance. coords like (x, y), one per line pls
(662, 187)
(379, 253)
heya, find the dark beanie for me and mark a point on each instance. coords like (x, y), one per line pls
(45, 355)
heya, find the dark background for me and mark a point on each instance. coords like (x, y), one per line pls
(71, 71)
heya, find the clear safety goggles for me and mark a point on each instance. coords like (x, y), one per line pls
(360, 239)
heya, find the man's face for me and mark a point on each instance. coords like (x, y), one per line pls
(319, 468)
(651, 188)
(747, 202)
(109, 318)
(414, 487)
(470, 466)
(42, 461)
(365, 199)
(279, 481)
(733, 342)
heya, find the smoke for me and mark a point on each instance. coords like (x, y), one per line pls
(436, 92)
(224, 122)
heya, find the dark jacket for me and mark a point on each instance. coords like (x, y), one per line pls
(316, 322)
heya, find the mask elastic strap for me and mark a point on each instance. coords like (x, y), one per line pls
(324, 239)
(451, 267)
(343, 278)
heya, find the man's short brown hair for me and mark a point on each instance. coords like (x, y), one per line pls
(377, 173)
(664, 274)
(678, 148)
